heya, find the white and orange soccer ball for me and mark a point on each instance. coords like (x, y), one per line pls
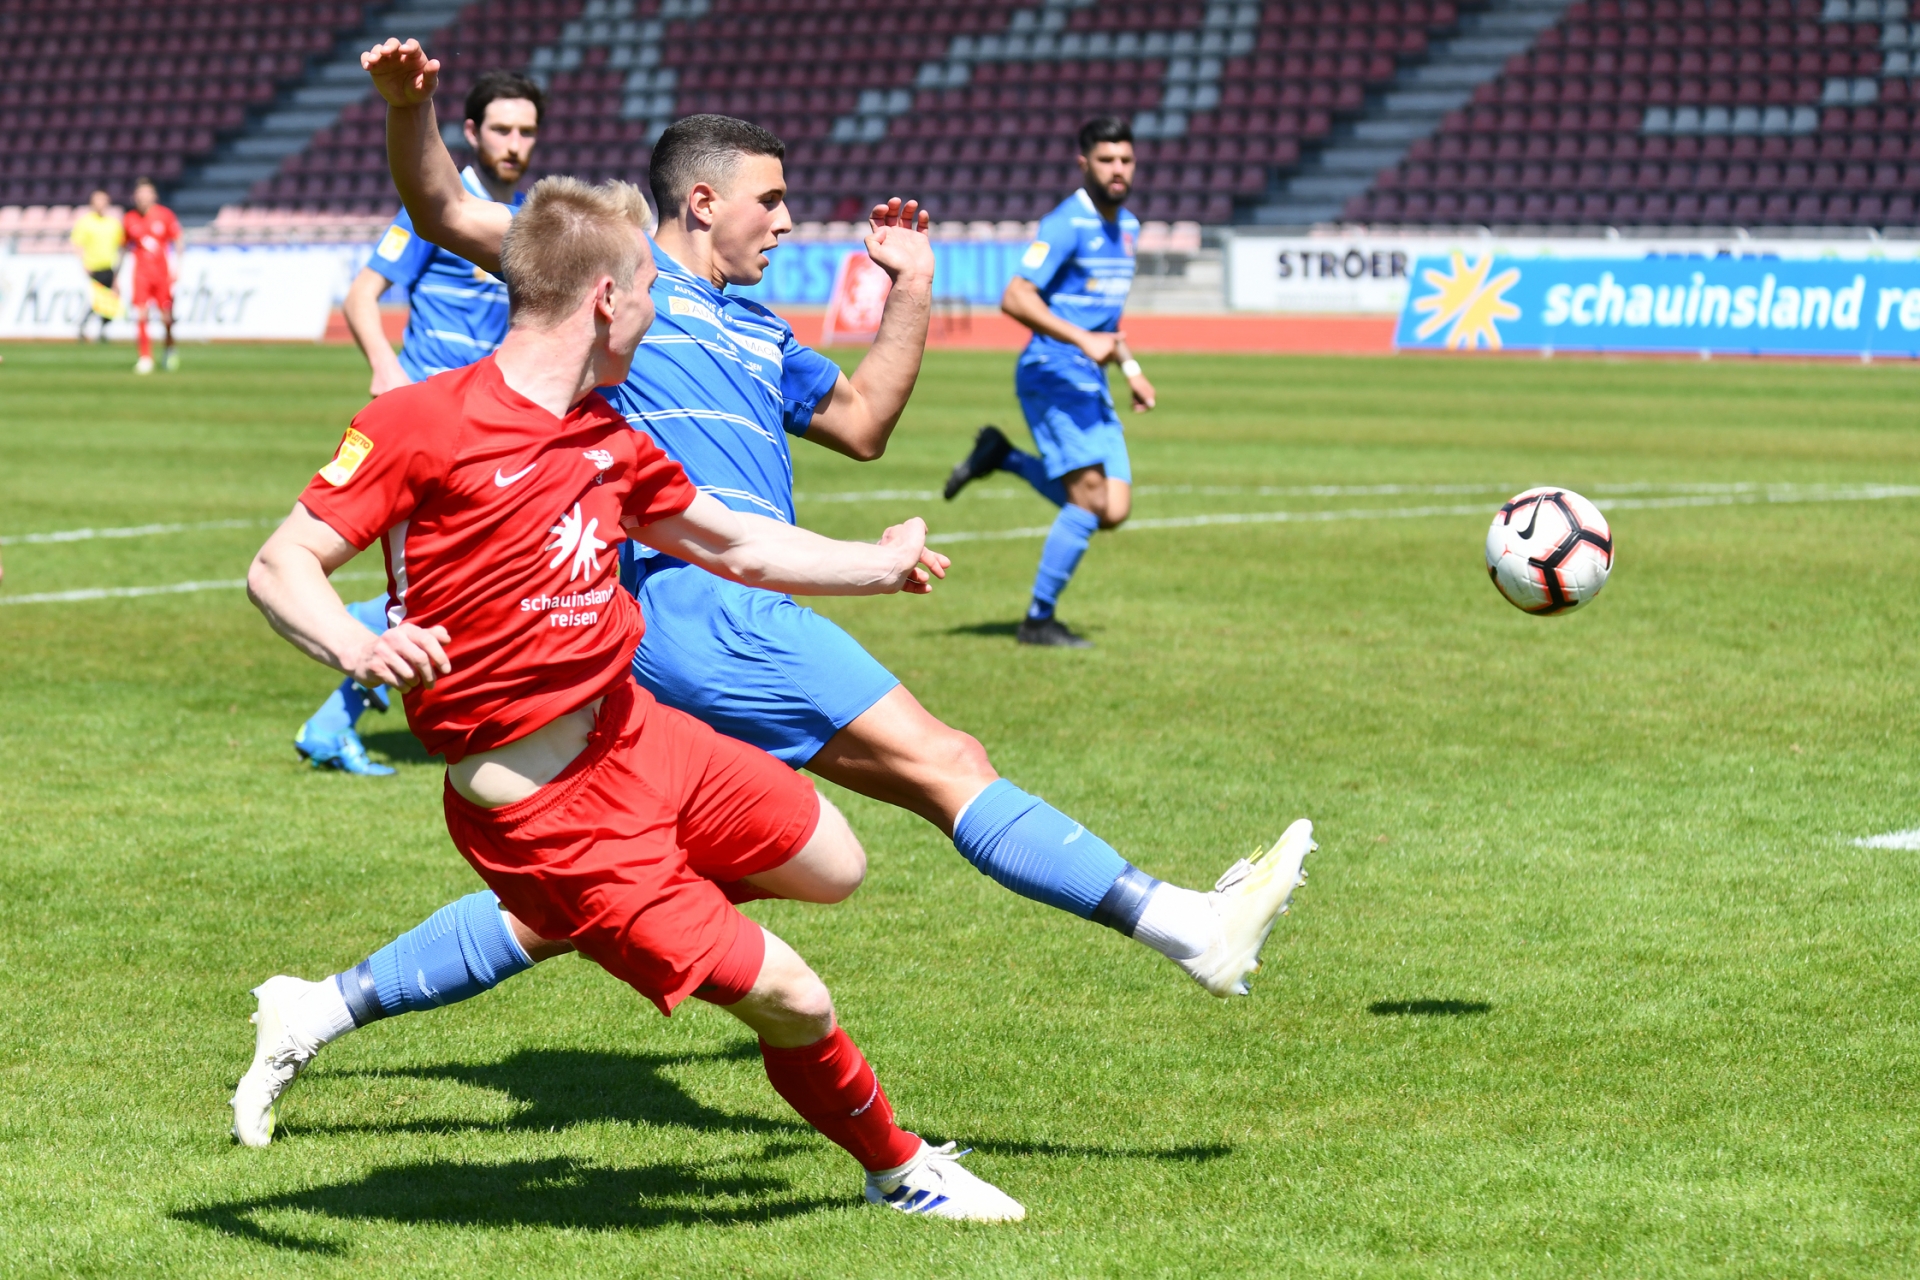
(1549, 550)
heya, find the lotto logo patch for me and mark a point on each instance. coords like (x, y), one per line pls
(353, 451)
(393, 244)
(1036, 255)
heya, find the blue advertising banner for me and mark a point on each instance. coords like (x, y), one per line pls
(802, 272)
(1748, 306)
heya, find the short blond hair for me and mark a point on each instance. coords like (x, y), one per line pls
(566, 236)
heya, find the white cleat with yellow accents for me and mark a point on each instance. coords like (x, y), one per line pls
(1250, 899)
(280, 1053)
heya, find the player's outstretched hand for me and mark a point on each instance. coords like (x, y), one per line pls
(897, 239)
(403, 73)
(405, 656)
(917, 564)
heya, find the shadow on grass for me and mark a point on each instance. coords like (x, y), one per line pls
(559, 1193)
(985, 629)
(559, 1088)
(398, 745)
(1197, 1153)
(1428, 1008)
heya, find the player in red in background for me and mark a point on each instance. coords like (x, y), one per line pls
(153, 238)
(501, 493)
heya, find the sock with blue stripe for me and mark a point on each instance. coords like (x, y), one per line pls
(1066, 542)
(341, 711)
(462, 949)
(1034, 472)
(1025, 844)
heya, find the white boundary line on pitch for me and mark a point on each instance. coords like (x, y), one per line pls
(170, 589)
(1891, 840)
(1741, 496)
(132, 531)
(1705, 496)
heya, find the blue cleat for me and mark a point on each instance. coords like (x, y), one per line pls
(344, 752)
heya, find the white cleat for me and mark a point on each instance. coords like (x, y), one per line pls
(1250, 899)
(279, 1055)
(143, 365)
(933, 1185)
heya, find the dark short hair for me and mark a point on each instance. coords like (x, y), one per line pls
(1103, 129)
(706, 149)
(495, 85)
(144, 182)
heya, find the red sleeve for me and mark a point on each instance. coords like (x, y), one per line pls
(383, 469)
(660, 487)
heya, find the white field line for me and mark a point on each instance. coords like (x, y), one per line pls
(1730, 496)
(1891, 840)
(1699, 496)
(169, 589)
(1317, 491)
(131, 531)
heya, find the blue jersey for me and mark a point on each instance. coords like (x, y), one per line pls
(458, 312)
(1082, 265)
(719, 383)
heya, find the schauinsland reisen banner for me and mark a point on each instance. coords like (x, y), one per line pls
(1747, 306)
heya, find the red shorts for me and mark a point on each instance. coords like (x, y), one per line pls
(630, 851)
(151, 284)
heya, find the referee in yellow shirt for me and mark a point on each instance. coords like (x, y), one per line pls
(98, 237)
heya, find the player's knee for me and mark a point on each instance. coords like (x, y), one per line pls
(838, 858)
(959, 755)
(789, 1005)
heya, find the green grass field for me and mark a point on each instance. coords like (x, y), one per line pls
(1590, 977)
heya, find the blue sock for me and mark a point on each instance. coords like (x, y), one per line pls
(1066, 542)
(1025, 844)
(1034, 472)
(341, 711)
(333, 718)
(462, 949)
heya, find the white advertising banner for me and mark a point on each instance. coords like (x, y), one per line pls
(1363, 273)
(251, 293)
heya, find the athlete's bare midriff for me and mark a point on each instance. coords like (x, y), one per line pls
(507, 775)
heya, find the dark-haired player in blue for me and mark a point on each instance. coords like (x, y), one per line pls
(1069, 289)
(457, 314)
(720, 384)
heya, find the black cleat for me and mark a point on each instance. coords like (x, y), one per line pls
(1051, 632)
(990, 449)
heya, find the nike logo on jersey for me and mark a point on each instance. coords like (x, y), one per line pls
(503, 481)
(1078, 831)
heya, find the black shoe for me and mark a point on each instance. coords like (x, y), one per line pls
(1052, 632)
(990, 449)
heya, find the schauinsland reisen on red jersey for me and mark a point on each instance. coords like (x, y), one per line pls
(501, 523)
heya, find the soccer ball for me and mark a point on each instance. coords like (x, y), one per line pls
(1549, 550)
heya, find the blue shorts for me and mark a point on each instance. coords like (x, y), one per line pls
(1070, 412)
(751, 663)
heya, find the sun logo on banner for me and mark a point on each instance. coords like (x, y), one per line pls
(1464, 298)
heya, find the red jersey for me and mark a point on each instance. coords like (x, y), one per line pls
(149, 234)
(502, 524)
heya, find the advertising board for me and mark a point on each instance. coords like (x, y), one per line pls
(251, 293)
(1745, 306)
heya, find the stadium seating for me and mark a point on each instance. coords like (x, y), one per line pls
(1682, 113)
(99, 93)
(971, 106)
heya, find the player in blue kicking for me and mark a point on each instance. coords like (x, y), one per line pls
(720, 383)
(1069, 289)
(458, 313)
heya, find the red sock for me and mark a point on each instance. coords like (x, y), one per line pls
(830, 1084)
(146, 343)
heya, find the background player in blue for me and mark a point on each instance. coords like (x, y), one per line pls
(1069, 289)
(719, 384)
(457, 314)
